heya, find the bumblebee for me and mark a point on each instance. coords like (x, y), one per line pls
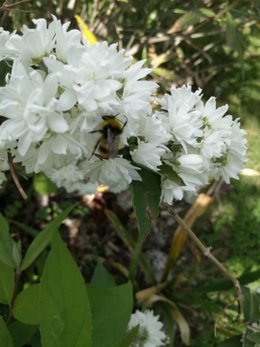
(108, 143)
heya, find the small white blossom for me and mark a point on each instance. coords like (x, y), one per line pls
(4, 37)
(216, 129)
(235, 156)
(71, 178)
(182, 118)
(34, 43)
(150, 333)
(171, 191)
(116, 173)
(3, 165)
(148, 155)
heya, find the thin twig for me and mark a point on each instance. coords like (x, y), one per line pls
(7, 6)
(207, 252)
(14, 176)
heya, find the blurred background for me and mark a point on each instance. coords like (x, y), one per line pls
(211, 44)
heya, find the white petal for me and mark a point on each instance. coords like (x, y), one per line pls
(57, 123)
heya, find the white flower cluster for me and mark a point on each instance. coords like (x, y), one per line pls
(150, 332)
(205, 143)
(82, 114)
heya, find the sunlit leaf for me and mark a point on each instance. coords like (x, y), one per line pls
(43, 185)
(207, 12)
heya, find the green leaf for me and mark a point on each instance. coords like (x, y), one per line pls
(27, 305)
(43, 185)
(5, 337)
(102, 277)
(111, 310)
(225, 284)
(254, 337)
(130, 243)
(234, 39)
(124, 235)
(44, 238)
(251, 304)
(169, 325)
(168, 171)
(179, 319)
(6, 243)
(146, 200)
(207, 12)
(17, 254)
(189, 18)
(22, 333)
(234, 341)
(6, 283)
(129, 338)
(65, 316)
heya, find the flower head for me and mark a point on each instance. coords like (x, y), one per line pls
(150, 332)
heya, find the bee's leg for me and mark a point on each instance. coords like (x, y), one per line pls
(124, 124)
(94, 150)
(97, 144)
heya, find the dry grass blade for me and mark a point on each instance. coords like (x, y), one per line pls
(10, 6)
(177, 316)
(198, 208)
(145, 294)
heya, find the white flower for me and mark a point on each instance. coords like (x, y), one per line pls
(65, 40)
(182, 118)
(171, 191)
(4, 37)
(136, 96)
(54, 105)
(3, 165)
(71, 178)
(148, 155)
(234, 158)
(216, 129)
(150, 332)
(34, 43)
(116, 173)
(153, 129)
(191, 170)
(29, 104)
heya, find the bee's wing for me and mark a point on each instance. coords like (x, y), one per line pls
(112, 143)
